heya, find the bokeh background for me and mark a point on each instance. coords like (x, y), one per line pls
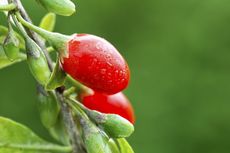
(179, 55)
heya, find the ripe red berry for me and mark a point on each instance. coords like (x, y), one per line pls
(111, 104)
(96, 63)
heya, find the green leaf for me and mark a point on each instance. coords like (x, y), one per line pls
(4, 61)
(48, 22)
(113, 146)
(57, 78)
(124, 146)
(16, 138)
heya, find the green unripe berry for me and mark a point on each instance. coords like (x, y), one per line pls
(114, 125)
(94, 140)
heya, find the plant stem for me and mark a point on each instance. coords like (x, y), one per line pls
(20, 27)
(69, 91)
(68, 118)
(7, 7)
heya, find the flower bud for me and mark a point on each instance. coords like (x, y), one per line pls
(117, 126)
(37, 62)
(60, 7)
(94, 139)
(11, 45)
(4, 32)
(114, 125)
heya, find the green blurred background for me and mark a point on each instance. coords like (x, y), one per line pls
(179, 55)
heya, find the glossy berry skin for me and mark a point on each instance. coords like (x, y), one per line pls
(110, 104)
(96, 63)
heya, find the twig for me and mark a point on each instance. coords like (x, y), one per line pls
(68, 118)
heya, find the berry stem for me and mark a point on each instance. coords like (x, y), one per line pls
(79, 87)
(56, 39)
(69, 91)
(79, 110)
(20, 27)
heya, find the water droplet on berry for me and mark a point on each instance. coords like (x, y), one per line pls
(103, 71)
(109, 64)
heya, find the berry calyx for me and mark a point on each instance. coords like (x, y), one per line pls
(96, 63)
(110, 104)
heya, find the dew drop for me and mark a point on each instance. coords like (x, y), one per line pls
(103, 71)
(109, 64)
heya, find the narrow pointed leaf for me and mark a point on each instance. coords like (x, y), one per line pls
(57, 78)
(124, 146)
(48, 22)
(113, 146)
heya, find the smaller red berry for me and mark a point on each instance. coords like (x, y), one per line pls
(110, 104)
(96, 63)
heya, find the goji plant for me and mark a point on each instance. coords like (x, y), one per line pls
(81, 103)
